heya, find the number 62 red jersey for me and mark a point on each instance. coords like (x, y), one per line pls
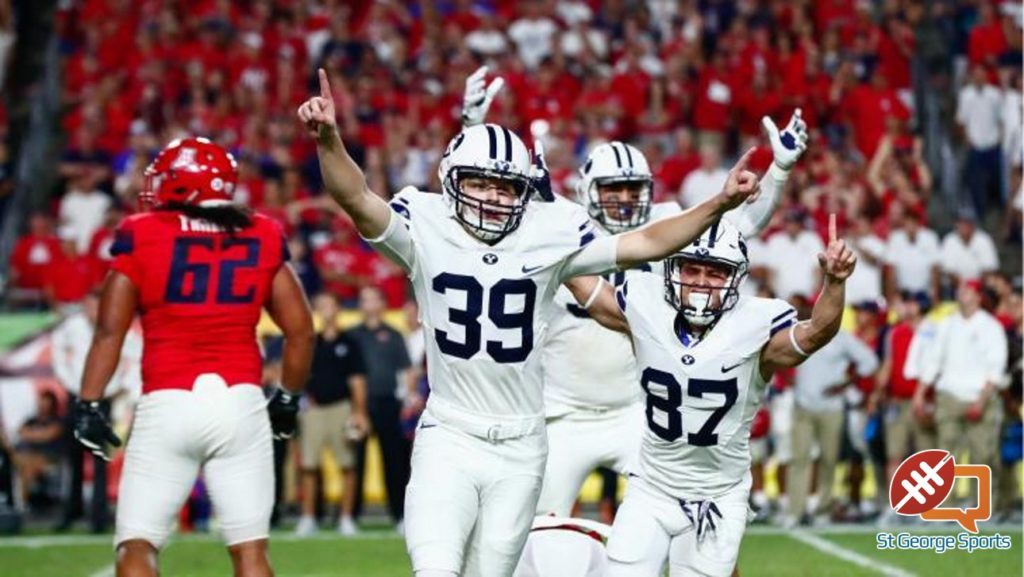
(201, 292)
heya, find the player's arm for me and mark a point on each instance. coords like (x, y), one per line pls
(789, 348)
(663, 237)
(118, 302)
(597, 297)
(289, 309)
(343, 179)
(750, 218)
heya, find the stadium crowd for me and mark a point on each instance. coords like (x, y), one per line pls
(687, 82)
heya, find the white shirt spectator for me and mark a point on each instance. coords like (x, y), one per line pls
(828, 367)
(865, 284)
(979, 110)
(701, 185)
(967, 353)
(83, 212)
(1013, 135)
(918, 352)
(969, 260)
(573, 41)
(794, 263)
(912, 260)
(488, 42)
(533, 39)
(69, 345)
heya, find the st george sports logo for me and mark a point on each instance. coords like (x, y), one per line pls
(921, 484)
(923, 481)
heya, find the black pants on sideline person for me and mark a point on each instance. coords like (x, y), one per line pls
(384, 413)
(99, 514)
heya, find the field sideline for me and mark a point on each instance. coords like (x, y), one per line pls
(767, 551)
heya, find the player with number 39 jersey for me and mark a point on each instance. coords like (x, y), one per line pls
(485, 263)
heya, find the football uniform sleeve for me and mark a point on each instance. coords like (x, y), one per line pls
(396, 241)
(124, 252)
(781, 315)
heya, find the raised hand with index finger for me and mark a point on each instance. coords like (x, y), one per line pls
(838, 261)
(318, 113)
(742, 184)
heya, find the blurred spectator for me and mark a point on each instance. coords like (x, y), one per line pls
(865, 284)
(31, 259)
(965, 365)
(82, 211)
(914, 256)
(706, 181)
(99, 247)
(40, 444)
(533, 33)
(334, 415)
(387, 361)
(979, 115)
(818, 419)
(896, 381)
(71, 275)
(487, 39)
(70, 343)
(968, 252)
(1008, 495)
(792, 256)
(341, 264)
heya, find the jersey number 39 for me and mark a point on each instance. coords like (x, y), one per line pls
(469, 317)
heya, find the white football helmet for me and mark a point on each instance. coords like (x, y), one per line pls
(613, 163)
(486, 151)
(721, 244)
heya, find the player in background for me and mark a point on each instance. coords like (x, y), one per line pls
(199, 270)
(485, 264)
(705, 354)
(591, 400)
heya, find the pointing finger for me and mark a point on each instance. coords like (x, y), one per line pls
(741, 164)
(325, 85)
(832, 228)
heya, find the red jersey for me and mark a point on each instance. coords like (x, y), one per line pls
(32, 258)
(201, 292)
(900, 387)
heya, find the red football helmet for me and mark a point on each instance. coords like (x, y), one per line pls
(190, 171)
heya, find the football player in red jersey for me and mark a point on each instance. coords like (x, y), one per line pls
(198, 269)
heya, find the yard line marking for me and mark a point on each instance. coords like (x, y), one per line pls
(830, 548)
(107, 571)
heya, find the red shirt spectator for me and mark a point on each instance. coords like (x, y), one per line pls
(869, 107)
(900, 336)
(34, 254)
(987, 40)
(342, 265)
(71, 276)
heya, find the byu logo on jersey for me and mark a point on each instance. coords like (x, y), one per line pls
(490, 258)
(688, 360)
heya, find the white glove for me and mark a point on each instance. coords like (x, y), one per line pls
(788, 145)
(477, 98)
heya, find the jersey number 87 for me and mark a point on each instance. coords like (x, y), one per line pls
(673, 400)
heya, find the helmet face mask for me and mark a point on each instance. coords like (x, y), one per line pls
(702, 281)
(629, 205)
(486, 157)
(622, 172)
(489, 220)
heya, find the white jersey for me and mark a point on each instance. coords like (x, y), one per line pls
(587, 366)
(701, 398)
(485, 309)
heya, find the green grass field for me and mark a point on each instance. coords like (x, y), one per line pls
(765, 552)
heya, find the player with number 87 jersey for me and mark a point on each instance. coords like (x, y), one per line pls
(704, 354)
(485, 264)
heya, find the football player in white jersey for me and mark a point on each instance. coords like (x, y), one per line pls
(485, 264)
(591, 400)
(705, 354)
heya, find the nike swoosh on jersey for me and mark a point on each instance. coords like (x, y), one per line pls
(528, 270)
(726, 369)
